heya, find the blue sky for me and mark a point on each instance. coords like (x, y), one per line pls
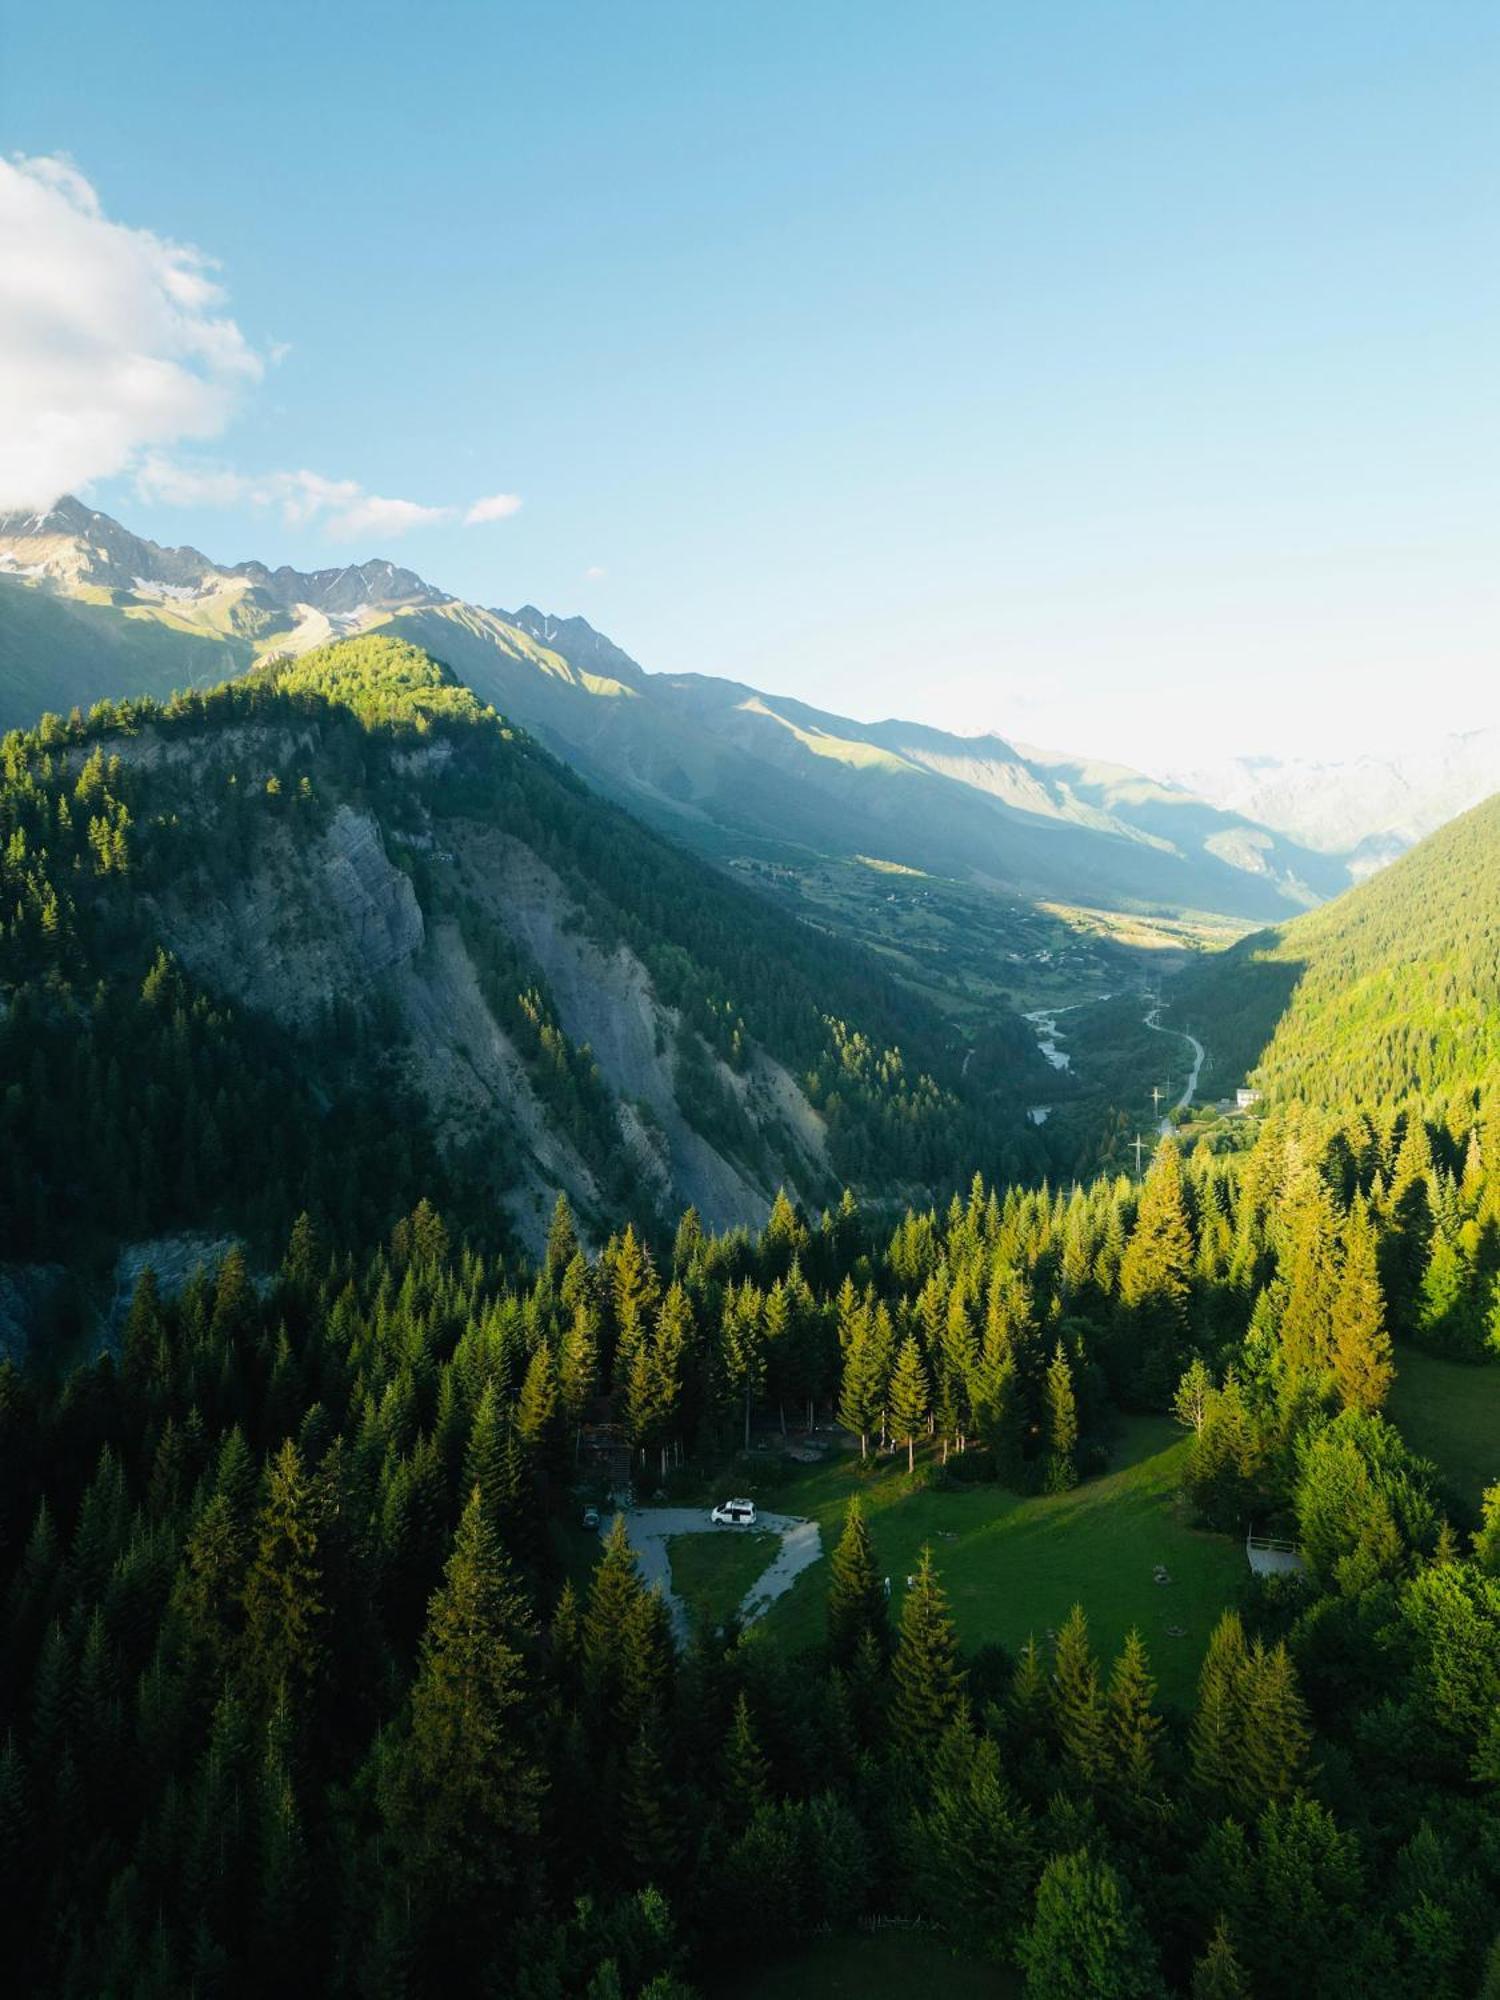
(1117, 376)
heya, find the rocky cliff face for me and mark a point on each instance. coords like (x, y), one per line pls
(305, 927)
(336, 919)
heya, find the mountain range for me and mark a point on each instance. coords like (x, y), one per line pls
(1367, 808)
(88, 610)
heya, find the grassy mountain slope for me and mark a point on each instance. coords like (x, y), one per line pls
(1392, 991)
(62, 653)
(404, 902)
(709, 754)
(717, 762)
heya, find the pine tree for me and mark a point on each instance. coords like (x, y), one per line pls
(463, 1794)
(1062, 1425)
(926, 1676)
(562, 1239)
(856, 1594)
(613, 1592)
(578, 1364)
(1086, 1941)
(1134, 1726)
(1077, 1702)
(634, 1293)
(746, 1773)
(972, 1847)
(1216, 1736)
(1362, 1367)
(537, 1406)
(910, 1399)
(1218, 1974)
(1156, 1273)
(863, 1385)
(285, 1609)
(1277, 1733)
(484, 1455)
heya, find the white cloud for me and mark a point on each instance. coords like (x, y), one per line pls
(370, 514)
(115, 346)
(112, 339)
(341, 506)
(594, 573)
(497, 507)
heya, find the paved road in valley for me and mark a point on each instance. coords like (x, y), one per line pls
(1166, 1127)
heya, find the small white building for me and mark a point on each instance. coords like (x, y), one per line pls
(1243, 1098)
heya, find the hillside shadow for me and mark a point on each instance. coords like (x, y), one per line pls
(1234, 1003)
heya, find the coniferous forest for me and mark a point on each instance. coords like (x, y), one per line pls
(777, 1278)
(306, 1685)
(298, 1694)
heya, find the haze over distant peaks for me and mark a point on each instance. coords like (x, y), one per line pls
(1367, 807)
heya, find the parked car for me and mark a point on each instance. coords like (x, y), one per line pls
(734, 1514)
(591, 1518)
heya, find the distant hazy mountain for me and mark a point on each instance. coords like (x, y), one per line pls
(1368, 808)
(89, 610)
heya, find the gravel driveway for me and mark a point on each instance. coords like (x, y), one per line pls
(650, 1529)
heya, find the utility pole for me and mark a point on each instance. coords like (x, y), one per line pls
(1139, 1143)
(1156, 1097)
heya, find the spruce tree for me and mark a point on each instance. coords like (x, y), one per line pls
(1077, 1702)
(285, 1609)
(537, 1405)
(1218, 1974)
(927, 1679)
(1277, 1732)
(910, 1399)
(614, 1590)
(1156, 1274)
(863, 1386)
(1086, 1940)
(746, 1773)
(1062, 1425)
(1362, 1367)
(464, 1794)
(856, 1593)
(1216, 1738)
(1134, 1726)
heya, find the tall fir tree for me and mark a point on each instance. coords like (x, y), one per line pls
(856, 1593)
(927, 1680)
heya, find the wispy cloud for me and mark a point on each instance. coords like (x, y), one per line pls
(497, 507)
(341, 507)
(112, 339)
(595, 573)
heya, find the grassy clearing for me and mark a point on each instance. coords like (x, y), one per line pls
(1450, 1412)
(711, 1573)
(1015, 1566)
(891, 1965)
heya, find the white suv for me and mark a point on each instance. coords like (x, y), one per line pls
(734, 1514)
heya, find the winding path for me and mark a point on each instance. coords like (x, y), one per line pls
(1166, 1127)
(651, 1528)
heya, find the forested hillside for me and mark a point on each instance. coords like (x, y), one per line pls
(340, 920)
(1391, 992)
(297, 1693)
